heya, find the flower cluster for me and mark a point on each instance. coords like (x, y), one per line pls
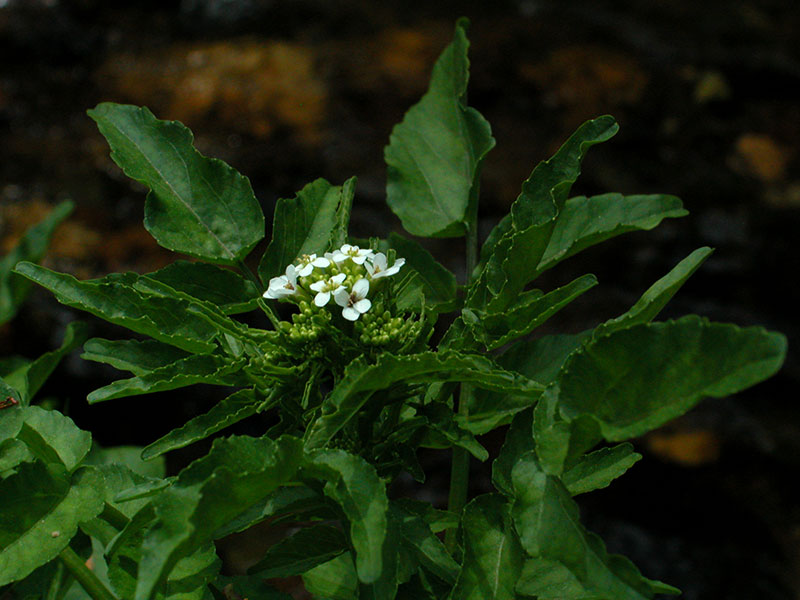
(344, 275)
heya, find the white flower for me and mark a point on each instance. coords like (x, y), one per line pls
(285, 285)
(308, 262)
(358, 255)
(377, 266)
(354, 303)
(326, 287)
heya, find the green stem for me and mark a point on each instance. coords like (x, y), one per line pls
(459, 470)
(88, 580)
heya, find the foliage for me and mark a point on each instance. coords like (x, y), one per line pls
(355, 380)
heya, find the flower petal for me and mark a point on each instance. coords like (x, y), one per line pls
(361, 288)
(350, 313)
(342, 296)
(363, 305)
(322, 298)
(338, 278)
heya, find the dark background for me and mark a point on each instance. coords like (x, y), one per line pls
(287, 91)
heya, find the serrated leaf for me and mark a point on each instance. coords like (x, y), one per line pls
(213, 490)
(519, 440)
(53, 438)
(198, 206)
(492, 553)
(361, 379)
(355, 486)
(35, 527)
(311, 223)
(434, 155)
(657, 295)
(529, 312)
(333, 580)
(129, 457)
(302, 551)
(583, 222)
(636, 379)
(225, 413)
(224, 288)
(598, 469)
(114, 299)
(137, 356)
(198, 368)
(29, 378)
(511, 254)
(546, 518)
(31, 247)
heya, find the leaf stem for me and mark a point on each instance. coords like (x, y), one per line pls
(459, 470)
(88, 580)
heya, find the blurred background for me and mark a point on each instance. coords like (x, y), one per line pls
(286, 91)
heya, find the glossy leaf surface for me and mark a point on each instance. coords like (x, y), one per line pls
(197, 206)
(434, 154)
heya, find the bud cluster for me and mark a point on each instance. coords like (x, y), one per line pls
(385, 331)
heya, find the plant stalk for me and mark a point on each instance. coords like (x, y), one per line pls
(459, 470)
(88, 580)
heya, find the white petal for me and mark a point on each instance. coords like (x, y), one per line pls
(346, 248)
(361, 288)
(305, 270)
(350, 313)
(358, 259)
(363, 305)
(341, 296)
(291, 273)
(322, 298)
(318, 286)
(339, 278)
(321, 262)
(338, 257)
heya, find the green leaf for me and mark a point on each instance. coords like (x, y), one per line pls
(541, 359)
(333, 580)
(309, 547)
(129, 457)
(12, 453)
(583, 222)
(426, 276)
(360, 379)
(546, 518)
(441, 419)
(213, 490)
(232, 409)
(532, 309)
(28, 379)
(519, 440)
(198, 206)
(636, 379)
(243, 586)
(599, 468)
(224, 288)
(434, 155)
(199, 368)
(657, 295)
(53, 438)
(311, 223)
(425, 546)
(114, 299)
(492, 553)
(35, 527)
(31, 247)
(511, 254)
(355, 486)
(137, 356)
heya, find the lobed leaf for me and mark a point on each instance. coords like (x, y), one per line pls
(428, 550)
(493, 555)
(53, 438)
(300, 552)
(137, 356)
(583, 222)
(361, 379)
(31, 247)
(434, 155)
(427, 277)
(355, 486)
(635, 379)
(333, 580)
(199, 368)
(598, 469)
(114, 299)
(657, 295)
(210, 492)
(224, 288)
(313, 222)
(546, 518)
(197, 206)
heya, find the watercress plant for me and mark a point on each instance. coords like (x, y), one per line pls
(349, 385)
